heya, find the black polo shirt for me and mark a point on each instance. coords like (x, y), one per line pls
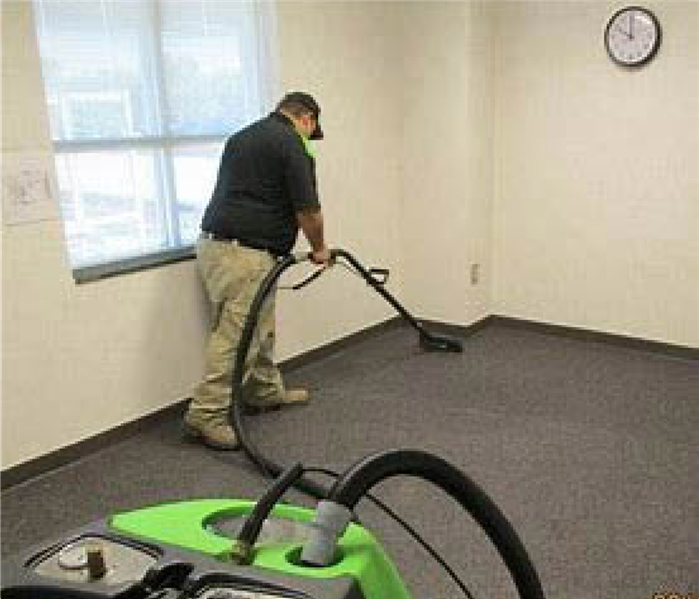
(265, 177)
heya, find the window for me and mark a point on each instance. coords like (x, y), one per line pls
(141, 97)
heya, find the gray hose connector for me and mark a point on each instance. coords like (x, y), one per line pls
(329, 524)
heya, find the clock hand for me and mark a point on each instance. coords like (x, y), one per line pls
(631, 20)
(622, 30)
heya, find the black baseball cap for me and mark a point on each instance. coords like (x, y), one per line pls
(307, 101)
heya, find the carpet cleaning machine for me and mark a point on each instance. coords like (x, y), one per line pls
(239, 549)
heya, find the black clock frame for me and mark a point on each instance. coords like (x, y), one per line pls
(654, 49)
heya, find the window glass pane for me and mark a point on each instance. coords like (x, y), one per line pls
(111, 204)
(97, 62)
(195, 176)
(136, 91)
(210, 66)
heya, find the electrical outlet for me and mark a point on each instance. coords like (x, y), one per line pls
(475, 273)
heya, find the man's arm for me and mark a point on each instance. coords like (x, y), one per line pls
(311, 223)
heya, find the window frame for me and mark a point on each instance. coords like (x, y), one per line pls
(164, 146)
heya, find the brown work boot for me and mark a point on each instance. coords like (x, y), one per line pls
(211, 429)
(290, 397)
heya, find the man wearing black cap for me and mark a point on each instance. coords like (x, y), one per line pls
(266, 190)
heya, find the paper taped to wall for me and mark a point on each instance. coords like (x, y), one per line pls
(27, 189)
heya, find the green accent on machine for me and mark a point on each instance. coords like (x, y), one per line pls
(188, 525)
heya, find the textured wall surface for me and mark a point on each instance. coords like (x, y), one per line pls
(596, 209)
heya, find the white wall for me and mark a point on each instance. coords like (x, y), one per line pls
(80, 359)
(597, 173)
(446, 211)
(347, 53)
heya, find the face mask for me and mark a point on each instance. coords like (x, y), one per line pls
(308, 146)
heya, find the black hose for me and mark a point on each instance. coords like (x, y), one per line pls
(267, 466)
(361, 477)
(428, 340)
(241, 552)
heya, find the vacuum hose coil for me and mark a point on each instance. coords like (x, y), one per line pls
(360, 478)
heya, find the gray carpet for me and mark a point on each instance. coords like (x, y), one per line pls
(589, 449)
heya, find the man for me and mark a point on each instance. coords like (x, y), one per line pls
(266, 191)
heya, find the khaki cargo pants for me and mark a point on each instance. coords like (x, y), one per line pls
(232, 276)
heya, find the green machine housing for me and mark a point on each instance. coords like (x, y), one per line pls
(201, 526)
(184, 549)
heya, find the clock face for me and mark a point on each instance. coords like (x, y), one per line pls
(632, 36)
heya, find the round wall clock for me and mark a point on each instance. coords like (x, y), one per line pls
(632, 36)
